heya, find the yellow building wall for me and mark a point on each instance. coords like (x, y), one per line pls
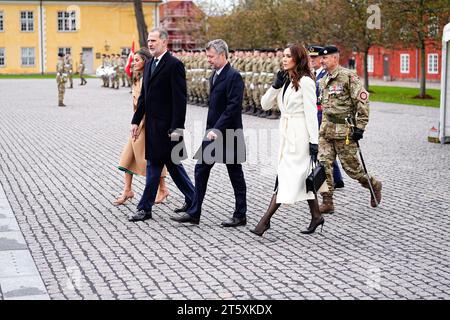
(99, 24)
(12, 39)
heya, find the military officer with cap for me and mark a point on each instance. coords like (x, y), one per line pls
(320, 72)
(343, 95)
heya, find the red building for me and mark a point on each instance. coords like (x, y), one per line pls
(183, 21)
(402, 64)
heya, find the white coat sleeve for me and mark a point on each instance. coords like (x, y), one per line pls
(308, 87)
(269, 99)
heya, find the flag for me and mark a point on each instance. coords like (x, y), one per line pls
(130, 60)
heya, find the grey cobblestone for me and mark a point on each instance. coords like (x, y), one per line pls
(57, 168)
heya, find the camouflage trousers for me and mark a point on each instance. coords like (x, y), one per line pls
(70, 79)
(61, 90)
(329, 149)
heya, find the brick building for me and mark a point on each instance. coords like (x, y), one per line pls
(183, 21)
(402, 64)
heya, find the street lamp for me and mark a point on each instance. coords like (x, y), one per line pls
(107, 46)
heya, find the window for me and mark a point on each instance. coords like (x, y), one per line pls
(2, 57)
(433, 63)
(64, 50)
(67, 21)
(27, 57)
(26, 21)
(404, 63)
(1, 21)
(370, 63)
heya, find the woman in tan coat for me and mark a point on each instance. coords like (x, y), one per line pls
(294, 93)
(132, 160)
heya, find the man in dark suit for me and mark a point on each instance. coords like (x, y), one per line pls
(163, 102)
(224, 141)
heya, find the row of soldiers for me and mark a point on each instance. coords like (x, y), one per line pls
(258, 68)
(112, 71)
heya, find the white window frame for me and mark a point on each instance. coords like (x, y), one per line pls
(27, 21)
(29, 56)
(2, 18)
(370, 63)
(66, 21)
(2, 57)
(65, 50)
(434, 64)
(404, 68)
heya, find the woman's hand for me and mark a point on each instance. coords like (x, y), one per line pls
(280, 79)
(313, 151)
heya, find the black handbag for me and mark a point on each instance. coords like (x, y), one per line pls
(316, 178)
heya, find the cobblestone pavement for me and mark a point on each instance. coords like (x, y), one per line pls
(57, 168)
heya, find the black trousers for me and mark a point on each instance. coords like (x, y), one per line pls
(236, 175)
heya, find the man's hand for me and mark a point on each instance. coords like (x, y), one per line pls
(357, 134)
(174, 136)
(134, 131)
(211, 135)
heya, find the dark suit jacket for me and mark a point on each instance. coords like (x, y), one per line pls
(163, 102)
(225, 112)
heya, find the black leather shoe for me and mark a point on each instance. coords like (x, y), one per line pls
(235, 222)
(339, 185)
(184, 208)
(141, 215)
(186, 218)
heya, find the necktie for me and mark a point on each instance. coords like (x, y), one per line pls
(215, 77)
(153, 67)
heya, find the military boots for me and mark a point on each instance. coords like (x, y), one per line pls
(377, 186)
(327, 206)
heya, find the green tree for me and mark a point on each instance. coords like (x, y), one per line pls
(413, 24)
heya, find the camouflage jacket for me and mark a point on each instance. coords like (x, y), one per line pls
(342, 94)
(61, 72)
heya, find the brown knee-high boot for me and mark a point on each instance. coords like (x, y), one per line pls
(264, 223)
(316, 217)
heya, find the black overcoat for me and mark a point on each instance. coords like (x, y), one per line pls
(163, 102)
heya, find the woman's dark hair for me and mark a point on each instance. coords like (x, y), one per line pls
(145, 54)
(301, 59)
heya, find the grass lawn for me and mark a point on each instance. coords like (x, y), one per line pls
(36, 76)
(404, 96)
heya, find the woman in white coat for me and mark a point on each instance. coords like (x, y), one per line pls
(294, 91)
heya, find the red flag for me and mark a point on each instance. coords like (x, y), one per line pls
(130, 60)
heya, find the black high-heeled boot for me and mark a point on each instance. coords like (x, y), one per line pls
(264, 224)
(316, 217)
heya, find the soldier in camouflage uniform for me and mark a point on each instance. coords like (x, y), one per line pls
(115, 76)
(247, 69)
(122, 73)
(343, 95)
(69, 67)
(61, 79)
(81, 69)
